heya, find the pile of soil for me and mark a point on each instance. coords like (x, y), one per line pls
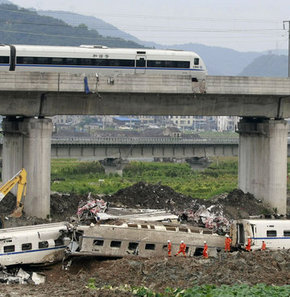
(271, 268)
(235, 205)
(155, 196)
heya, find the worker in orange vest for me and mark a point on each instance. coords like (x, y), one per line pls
(205, 248)
(182, 248)
(248, 246)
(263, 248)
(227, 243)
(169, 248)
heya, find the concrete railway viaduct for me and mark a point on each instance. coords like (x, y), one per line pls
(28, 99)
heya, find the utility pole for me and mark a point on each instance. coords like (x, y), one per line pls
(284, 27)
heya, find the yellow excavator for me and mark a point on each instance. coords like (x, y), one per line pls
(19, 178)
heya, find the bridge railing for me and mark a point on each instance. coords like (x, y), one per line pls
(143, 140)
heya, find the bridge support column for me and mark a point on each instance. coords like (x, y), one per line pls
(27, 144)
(263, 160)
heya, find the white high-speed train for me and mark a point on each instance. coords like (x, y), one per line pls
(37, 244)
(101, 60)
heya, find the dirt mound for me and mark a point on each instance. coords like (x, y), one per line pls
(156, 196)
(238, 205)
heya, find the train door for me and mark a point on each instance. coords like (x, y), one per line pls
(240, 234)
(140, 63)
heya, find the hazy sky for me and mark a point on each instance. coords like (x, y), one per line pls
(239, 24)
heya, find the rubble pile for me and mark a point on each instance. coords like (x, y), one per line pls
(213, 213)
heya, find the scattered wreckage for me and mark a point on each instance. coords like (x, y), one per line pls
(127, 232)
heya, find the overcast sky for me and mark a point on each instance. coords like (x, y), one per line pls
(245, 25)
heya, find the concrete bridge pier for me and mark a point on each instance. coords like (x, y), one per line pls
(263, 160)
(27, 144)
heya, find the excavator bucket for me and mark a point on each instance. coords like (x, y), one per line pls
(17, 213)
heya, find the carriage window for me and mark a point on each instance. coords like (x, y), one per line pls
(140, 62)
(24, 60)
(144, 226)
(9, 248)
(170, 228)
(271, 233)
(132, 246)
(196, 61)
(43, 244)
(152, 227)
(4, 59)
(115, 244)
(133, 225)
(286, 232)
(58, 242)
(98, 242)
(150, 246)
(183, 229)
(207, 232)
(26, 246)
(168, 64)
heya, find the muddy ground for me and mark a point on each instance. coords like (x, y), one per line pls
(156, 273)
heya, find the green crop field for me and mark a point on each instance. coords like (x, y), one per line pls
(83, 177)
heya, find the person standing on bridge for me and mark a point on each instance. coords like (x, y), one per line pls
(182, 249)
(227, 243)
(205, 252)
(169, 248)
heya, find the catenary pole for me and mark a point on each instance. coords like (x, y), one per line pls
(284, 22)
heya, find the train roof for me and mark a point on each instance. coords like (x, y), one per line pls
(103, 49)
(265, 221)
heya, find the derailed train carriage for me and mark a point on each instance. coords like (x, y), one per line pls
(141, 239)
(37, 244)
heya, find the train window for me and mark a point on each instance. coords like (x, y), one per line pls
(183, 229)
(207, 232)
(9, 248)
(150, 246)
(132, 246)
(133, 225)
(58, 242)
(24, 60)
(98, 242)
(271, 233)
(196, 61)
(4, 59)
(43, 244)
(42, 60)
(57, 61)
(141, 62)
(144, 226)
(193, 230)
(26, 246)
(152, 227)
(286, 232)
(168, 64)
(115, 244)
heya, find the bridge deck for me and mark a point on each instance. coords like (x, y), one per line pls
(48, 94)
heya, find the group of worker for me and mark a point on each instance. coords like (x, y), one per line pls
(182, 247)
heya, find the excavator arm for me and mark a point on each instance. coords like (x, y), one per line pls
(19, 178)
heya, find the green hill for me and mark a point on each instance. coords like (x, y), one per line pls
(267, 65)
(23, 26)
